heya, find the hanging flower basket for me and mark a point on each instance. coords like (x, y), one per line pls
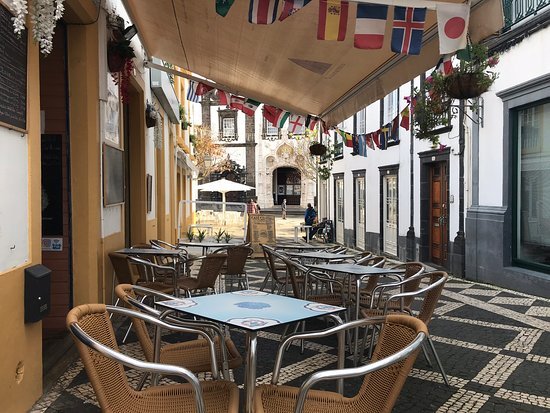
(467, 85)
(318, 149)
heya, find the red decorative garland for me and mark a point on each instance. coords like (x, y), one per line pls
(122, 79)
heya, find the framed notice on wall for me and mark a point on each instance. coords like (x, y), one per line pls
(13, 74)
(113, 175)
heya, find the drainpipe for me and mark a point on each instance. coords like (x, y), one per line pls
(411, 238)
(459, 245)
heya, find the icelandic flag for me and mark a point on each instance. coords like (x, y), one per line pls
(292, 6)
(408, 27)
(263, 11)
(370, 26)
(237, 102)
(296, 123)
(192, 92)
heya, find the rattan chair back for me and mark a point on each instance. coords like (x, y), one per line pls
(275, 266)
(437, 281)
(123, 271)
(236, 259)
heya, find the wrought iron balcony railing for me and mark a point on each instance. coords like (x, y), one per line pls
(517, 10)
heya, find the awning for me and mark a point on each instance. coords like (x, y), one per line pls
(283, 64)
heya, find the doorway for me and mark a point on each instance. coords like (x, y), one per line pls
(339, 199)
(439, 201)
(288, 182)
(389, 218)
(359, 209)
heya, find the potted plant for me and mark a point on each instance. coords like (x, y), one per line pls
(183, 117)
(201, 234)
(219, 235)
(317, 149)
(151, 115)
(227, 237)
(474, 75)
(190, 234)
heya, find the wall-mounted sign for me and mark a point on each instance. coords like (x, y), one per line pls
(13, 73)
(52, 244)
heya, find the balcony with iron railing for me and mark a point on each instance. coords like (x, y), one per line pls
(516, 11)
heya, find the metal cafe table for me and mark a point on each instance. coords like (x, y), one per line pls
(319, 255)
(205, 245)
(252, 311)
(359, 272)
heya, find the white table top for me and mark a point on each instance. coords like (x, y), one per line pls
(321, 255)
(250, 309)
(355, 269)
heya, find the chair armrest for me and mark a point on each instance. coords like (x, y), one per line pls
(153, 316)
(356, 371)
(339, 329)
(164, 369)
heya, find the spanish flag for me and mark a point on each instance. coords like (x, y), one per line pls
(333, 20)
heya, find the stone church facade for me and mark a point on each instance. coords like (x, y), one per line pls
(277, 163)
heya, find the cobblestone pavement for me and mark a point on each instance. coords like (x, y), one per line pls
(494, 345)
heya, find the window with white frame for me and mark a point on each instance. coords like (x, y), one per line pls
(391, 106)
(271, 132)
(362, 121)
(228, 125)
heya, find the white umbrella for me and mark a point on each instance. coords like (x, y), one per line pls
(224, 186)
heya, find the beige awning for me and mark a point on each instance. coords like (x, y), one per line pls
(283, 64)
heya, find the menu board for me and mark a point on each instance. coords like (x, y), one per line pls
(13, 73)
(261, 230)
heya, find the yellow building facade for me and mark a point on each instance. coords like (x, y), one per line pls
(89, 177)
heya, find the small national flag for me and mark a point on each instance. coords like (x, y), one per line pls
(408, 26)
(445, 65)
(383, 134)
(276, 116)
(392, 138)
(236, 102)
(370, 26)
(224, 97)
(296, 123)
(452, 26)
(223, 6)
(292, 6)
(333, 20)
(250, 106)
(263, 11)
(324, 127)
(355, 145)
(369, 140)
(192, 92)
(405, 118)
(376, 138)
(311, 122)
(202, 89)
(362, 145)
(348, 138)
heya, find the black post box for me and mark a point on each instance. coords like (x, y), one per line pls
(37, 292)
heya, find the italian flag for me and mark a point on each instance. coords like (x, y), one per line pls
(276, 116)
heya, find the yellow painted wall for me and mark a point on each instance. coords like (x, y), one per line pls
(20, 343)
(83, 64)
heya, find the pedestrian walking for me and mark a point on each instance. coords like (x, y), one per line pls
(283, 208)
(251, 207)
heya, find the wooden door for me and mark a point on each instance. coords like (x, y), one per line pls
(360, 212)
(390, 214)
(339, 211)
(439, 202)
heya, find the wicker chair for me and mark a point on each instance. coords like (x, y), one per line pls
(233, 270)
(276, 270)
(192, 354)
(400, 340)
(403, 302)
(208, 273)
(95, 340)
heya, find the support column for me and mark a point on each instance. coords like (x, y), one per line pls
(459, 245)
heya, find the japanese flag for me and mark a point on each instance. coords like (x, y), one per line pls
(452, 25)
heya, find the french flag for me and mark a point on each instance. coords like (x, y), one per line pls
(370, 26)
(263, 11)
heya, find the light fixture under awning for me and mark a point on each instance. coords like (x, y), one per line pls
(283, 64)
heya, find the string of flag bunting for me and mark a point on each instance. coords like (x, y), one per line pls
(370, 22)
